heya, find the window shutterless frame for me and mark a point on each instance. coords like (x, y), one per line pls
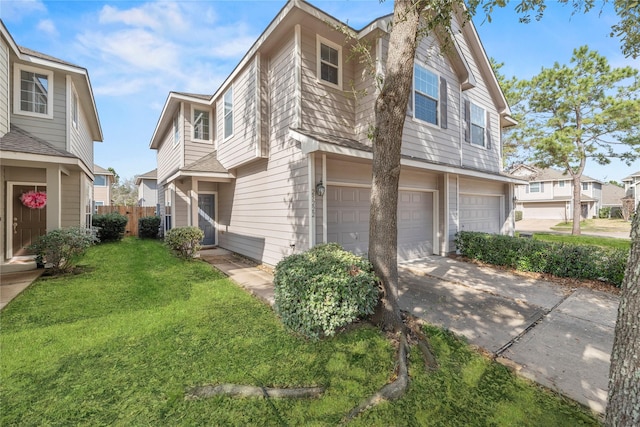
(33, 91)
(329, 62)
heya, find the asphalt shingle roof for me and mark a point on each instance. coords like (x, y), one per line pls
(20, 141)
(208, 163)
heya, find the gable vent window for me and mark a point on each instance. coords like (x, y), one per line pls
(426, 95)
(329, 62)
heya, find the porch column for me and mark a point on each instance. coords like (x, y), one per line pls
(54, 197)
(194, 201)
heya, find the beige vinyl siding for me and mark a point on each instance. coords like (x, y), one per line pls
(366, 92)
(72, 206)
(195, 150)
(474, 156)
(5, 84)
(101, 194)
(265, 210)
(454, 215)
(326, 109)
(81, 140)
(431, 142)
(239, 148)
(180, 209)
(147, 193)
(53, 130)
(168, 155)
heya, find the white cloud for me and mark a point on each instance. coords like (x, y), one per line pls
(16, 10)
(47, 26)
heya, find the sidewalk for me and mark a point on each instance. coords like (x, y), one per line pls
(559, 337)
(12, 284)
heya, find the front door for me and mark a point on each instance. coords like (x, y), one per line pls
(206, 218)
(27, 223)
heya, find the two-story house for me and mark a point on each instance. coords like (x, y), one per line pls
(102, 185)
(632, 186)
(549, 194)
(147, 189)
(278, 158)
(48, 124)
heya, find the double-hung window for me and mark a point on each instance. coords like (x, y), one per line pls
(33, 90)
(536, 187)
(100, 181)
(478, 125)
(425, 95)
(585, 186)
(176, 129)
(201, 125)
(329, 62)
(228, 113)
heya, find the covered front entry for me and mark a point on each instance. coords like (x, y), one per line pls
(480, 213)
(206, 218)
(26, 224)
(348, 221)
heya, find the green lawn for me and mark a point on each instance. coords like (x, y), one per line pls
(119, 343)
(607, 242)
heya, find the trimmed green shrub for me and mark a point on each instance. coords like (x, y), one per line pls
(323, 289)
(518, 215)
(149, 227)
(604, 212)
(110, 226)
(61, 248)
(559, 259)
(184, 241)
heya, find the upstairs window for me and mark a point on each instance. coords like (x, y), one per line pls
(74, 110)
(100, 180)
(176, 129)
(201, 125)
(329, 62)
(478, 125)
(561, 184)
(585, 186)
(33, 91)
(228, 113)
(426, 95)
(536, 187)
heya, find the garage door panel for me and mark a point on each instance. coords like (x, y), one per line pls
(348, 221)
(480, 213)
(552, 210)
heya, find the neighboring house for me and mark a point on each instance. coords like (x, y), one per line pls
(632, 186)
(612, 196)
(278, 158)
(48, 124)
(549, 194)
(147, 188)
(102, 184)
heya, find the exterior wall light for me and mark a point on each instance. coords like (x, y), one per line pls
(320, 189)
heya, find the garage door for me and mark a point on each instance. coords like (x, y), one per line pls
(348, 221)
(544, 211)
(480, 213)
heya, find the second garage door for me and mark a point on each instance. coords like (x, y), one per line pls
(348, 221)
(480, 213)
(545, 210)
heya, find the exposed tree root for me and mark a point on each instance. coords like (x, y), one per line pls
(238, 390)
(392, 391)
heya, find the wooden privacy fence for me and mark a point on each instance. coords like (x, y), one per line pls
(133, 214)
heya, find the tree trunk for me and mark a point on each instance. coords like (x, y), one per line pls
(577, 204)
(390, 113)
(623, 408)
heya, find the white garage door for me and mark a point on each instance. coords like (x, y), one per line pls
(544, 211)
(480, 213)
(348, 221)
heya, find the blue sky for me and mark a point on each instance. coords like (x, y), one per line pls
(136, 52)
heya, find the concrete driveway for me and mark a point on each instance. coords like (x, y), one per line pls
(544, 225)
(557, 336)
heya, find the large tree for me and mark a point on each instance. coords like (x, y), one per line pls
(624, 378)
(580, 112)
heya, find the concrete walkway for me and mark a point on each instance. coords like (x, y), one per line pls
(12, 284)
(557, 336)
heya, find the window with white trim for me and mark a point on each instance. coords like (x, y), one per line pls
(100, 180)
(74, 109)
(201, 125)
(478, 125)
(585, 186)
(167, 209)
(228, 113)
(561, 183)
(425, 95)
(329, 62)
(33, 89)
(96, 204)
(536, 187)
(176, 129)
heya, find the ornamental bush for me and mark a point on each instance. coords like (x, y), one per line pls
(559, 259)
(149, 227)
(323, 289)
(61, 248)
(184, 241)
(109, 226)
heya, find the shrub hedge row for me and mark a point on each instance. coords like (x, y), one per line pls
(559, 259)
(149, 227)
(110, 226)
